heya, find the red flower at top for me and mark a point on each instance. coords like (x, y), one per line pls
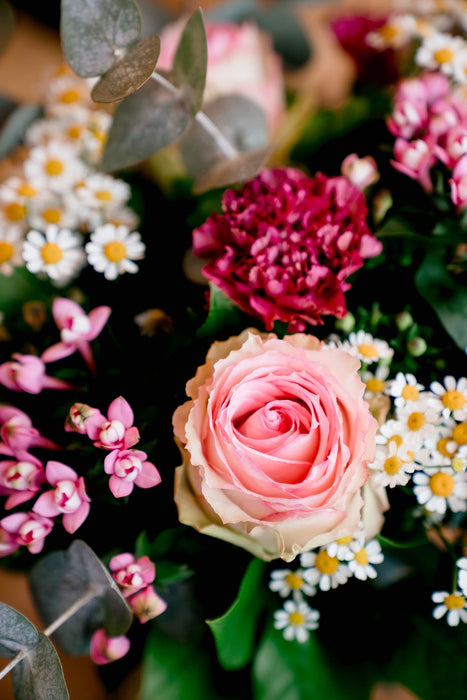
(285, 244)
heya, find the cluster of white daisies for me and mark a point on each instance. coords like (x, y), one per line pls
(421, 444)
(58, 212)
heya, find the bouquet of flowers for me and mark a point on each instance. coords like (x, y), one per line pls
(233, 395)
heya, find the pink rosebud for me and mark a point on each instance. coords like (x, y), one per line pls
(131, 574)
(27, 529)
(362, 172)
(147, 604)
(78, 414)
(458, 183)
(104, 649)
(117, 430)
(68, 498)
(409, 117)
(453, 146)
(415, 159)
(18, 434)
(127, 468)
(27, 373)
(76, 330)
(20, 480)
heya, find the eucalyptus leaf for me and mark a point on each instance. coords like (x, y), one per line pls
(39, 675)
(235, 631)
(232, 171)
(129, 72)
(93, 31)
(16, 632)
(145, 122)
(16, 125)
(62, 578)
(191, 60)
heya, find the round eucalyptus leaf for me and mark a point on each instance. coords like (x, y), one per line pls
(129, 72)
(39, 676)
(191, 60)
(16, 632)
(15, 126)
(232, 171)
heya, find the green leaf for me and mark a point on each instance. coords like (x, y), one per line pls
(16, 632)
(39, 675)
(223, 312)
(16, 125)
(231, 171)
(143, 123)
(235, 631)
(447, 297)
(7, 23)
(60, 579)
(191, 60)
(129, 72)
(92, 32)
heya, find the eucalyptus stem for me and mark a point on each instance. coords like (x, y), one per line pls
(202, 119)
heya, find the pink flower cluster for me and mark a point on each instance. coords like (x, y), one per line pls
(429, 121)
(134, 578)
(284, 245)
(116, 433)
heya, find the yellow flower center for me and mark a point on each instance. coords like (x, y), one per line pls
(54, 167)
(397, 439)
(295, 582)
(26, 190)
(74, 132)
(389, 31)
(51, 253)
(446, 447)
(52, 216)
(15, 211)
(416, 421)
(104, 195)
(453, 400)
(115, 251)
(367, 350)
(361, 557)
(410, 393)
(459, 434)
(442, 484)
(375, 385)
(443, 55)
(69, 96)
(6, 251)
(457, 464)
(326, 564)
(345, 540)
(392, 465)
(454, 602)
(296, 618)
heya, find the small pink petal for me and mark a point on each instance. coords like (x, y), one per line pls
(56, 471)
(46, 506)
(98, 318)
(148, 477)
(121, 410)
(57, 352)
(119, 487)
(72, 521)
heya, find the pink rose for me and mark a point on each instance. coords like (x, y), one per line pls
(275, 441)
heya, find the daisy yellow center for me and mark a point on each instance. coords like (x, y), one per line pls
(442, 484)
(457, 464)
(392, 464)
(6, 251)
(51, 253)
(389, 31)
(52, 216)
(74, 132)
(115, 251)
(367, 350)
(26, 190)
(326, 564)
(416, 421)
(54, 167)
(410, 393)
(443, 55)
(459, 434)
(296, 618)
(453, 400)
(454, 602)
(295, 582)
(396, 439)
(15, 211)
(375, 385)
(446, 447)
(69, 96)
(104, 195)
(361, 557)
(345, 540)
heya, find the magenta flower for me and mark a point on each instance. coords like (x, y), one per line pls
(132, 574)
(117, 430)
(458, 183)
(285, 244)
(17, 434)
(20, 480)
(27, 373)
(104, 649)
(415, 159)
(127, 468)
(25, 529)
(147, 604)
(68, 498)
(76, 330)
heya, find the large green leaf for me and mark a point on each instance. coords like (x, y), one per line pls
(15, 126)
(235, 631)
(191, 60)
(16, 632)
(92, 33)
(223, 313)
(39, 675)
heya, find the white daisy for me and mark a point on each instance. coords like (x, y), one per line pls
(323, 570)
(13, 207)
(441, 489)
(123, 216)
(395, 33)
(404, 388)
(362, 558)
(440, 448)
(11, 244)
(113, 249)
(57, 253)
(450, 397)
(454, 604)
(367, 348)
(393, 465)
(55, 166)
(397, 432)
(296, 620)
(439, 51)
(67, 92)
(340, 548)
(417, 417)
(462, 574)
(375, 382)
(103, 192)
(286, 581)
(52, 208)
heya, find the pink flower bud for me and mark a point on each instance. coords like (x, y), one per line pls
(147, 604)
(77, 416)
(127, 468)
(362, 172)
(27, 373)
(68, 498)
(104, 649)
(27, 529)
(131, 574)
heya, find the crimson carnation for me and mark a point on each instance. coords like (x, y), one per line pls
(284, 245)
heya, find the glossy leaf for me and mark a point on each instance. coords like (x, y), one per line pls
(223, 312)
(191, 60)
(16, 632)
(16, 125)
(150, 119)
(39, 675)
(129, 72)
(93, 31)
(60, 579)
(232, 171)
(235, 631)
